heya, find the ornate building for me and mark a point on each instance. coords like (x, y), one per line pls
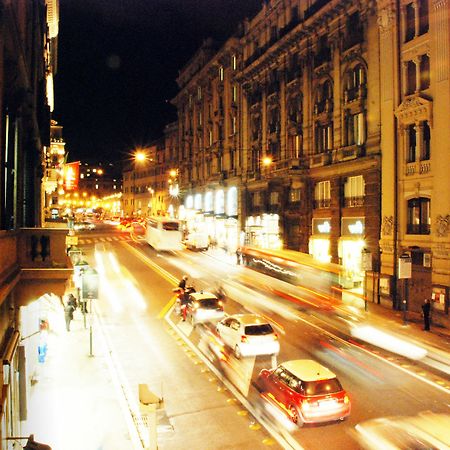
(315, 127)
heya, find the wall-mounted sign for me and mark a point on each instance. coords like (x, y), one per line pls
(353, 226)
(189, 203)
(232, 201)
(405, 266)
(209, 202)
(321, 226)
(220, 202)
(198, 202)
(71, 173)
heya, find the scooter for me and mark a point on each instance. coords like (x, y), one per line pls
(180, 305)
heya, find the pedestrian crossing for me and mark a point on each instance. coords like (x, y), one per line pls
(98, 239)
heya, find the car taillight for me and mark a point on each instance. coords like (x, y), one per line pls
(220, 303)
(346, 399)
(275, 337)
(244, 338)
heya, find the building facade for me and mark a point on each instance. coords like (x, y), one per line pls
(314, 128)
(33, 261)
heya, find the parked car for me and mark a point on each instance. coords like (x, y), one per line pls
(248, 335)
(305, 391)
(422, 432)
(204, 307)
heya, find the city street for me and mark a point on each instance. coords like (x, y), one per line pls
(166, 354)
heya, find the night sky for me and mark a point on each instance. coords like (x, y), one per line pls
(117, 65)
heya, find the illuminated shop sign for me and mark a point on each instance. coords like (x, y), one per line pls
(220, 202)
(198, 202)
(209, 201)
(71, 173)
(189, 203)
(352, 226)
(232, 201)
(321, 226)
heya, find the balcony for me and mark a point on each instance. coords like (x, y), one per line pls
(322, 203)
(348, 153)
(418, 168)
(319, 160)
(33, 262)
(353, 202)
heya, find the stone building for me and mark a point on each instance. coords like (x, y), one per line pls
(315, 127)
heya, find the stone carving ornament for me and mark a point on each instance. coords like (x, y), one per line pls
(442, 225)
(388, 225)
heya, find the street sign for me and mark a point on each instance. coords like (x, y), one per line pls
(89, 284)
(405, 266)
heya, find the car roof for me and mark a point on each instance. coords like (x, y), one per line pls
(203, 295)
(249, 319)
(308, 370)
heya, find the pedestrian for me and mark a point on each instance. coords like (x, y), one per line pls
(68, 315)
(238, 256)
(426, 310)
(72, 301)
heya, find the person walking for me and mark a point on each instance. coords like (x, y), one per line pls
(71, 300)
(426, 310)
(182, 283)
(68, 315)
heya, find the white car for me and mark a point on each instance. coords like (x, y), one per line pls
(248, 335)
(204, 307)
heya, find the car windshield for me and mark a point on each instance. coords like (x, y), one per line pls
(322, 387)
(257, 330)
(170, 226)
(209, 303)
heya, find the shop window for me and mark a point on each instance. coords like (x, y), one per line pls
(426, 142)
(424, 72)
(411, 132)
(419, 218)
(322, 194)
(410, 77)
(354, 191)
(295, 195)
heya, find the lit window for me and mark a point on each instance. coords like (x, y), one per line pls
(233, 62)
(354, 191)
(322, 194)
(419, 218)
(221, 73)
(295, 195)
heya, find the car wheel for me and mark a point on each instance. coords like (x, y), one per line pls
(237, 352)
(293, 413)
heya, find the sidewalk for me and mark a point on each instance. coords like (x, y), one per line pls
(73, 404)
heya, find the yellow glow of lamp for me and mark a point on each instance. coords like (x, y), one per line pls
(140, 156)
(267, 161)
(173, 173)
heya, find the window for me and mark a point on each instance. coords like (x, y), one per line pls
(410, 78)
(424, 72)
(274, 198)
(233, 62)
(411, 133)
(199, 93)
(322, 194)
(234, 94)
(355, 80)
(354, 191)
(295, 195)
(419, 219)
(323, 137)
(410, 22)
(256, 199)
(423, 17)
(233, 125)
(426, 142)
(221, 73)
(356, 129)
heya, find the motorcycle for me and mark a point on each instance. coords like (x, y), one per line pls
(181, 301)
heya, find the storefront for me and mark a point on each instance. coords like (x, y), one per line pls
(263, 231)
(319, 243)
(351, 245)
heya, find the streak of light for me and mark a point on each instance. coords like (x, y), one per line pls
(188, 268)
(388, 341)
(135, 294)
(114, 262)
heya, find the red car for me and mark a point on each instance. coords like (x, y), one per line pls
(305, 391)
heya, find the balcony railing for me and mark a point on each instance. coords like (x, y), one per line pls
(322, 203)
(353, 202)
(422, 228)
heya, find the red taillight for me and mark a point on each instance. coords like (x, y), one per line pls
(275, 337)
(244, 338)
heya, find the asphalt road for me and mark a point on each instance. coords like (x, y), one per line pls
(200, 409)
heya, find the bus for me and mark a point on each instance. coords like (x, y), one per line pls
(319, 279)
(164, 234)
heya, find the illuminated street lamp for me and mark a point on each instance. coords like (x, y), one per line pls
(267, 161)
